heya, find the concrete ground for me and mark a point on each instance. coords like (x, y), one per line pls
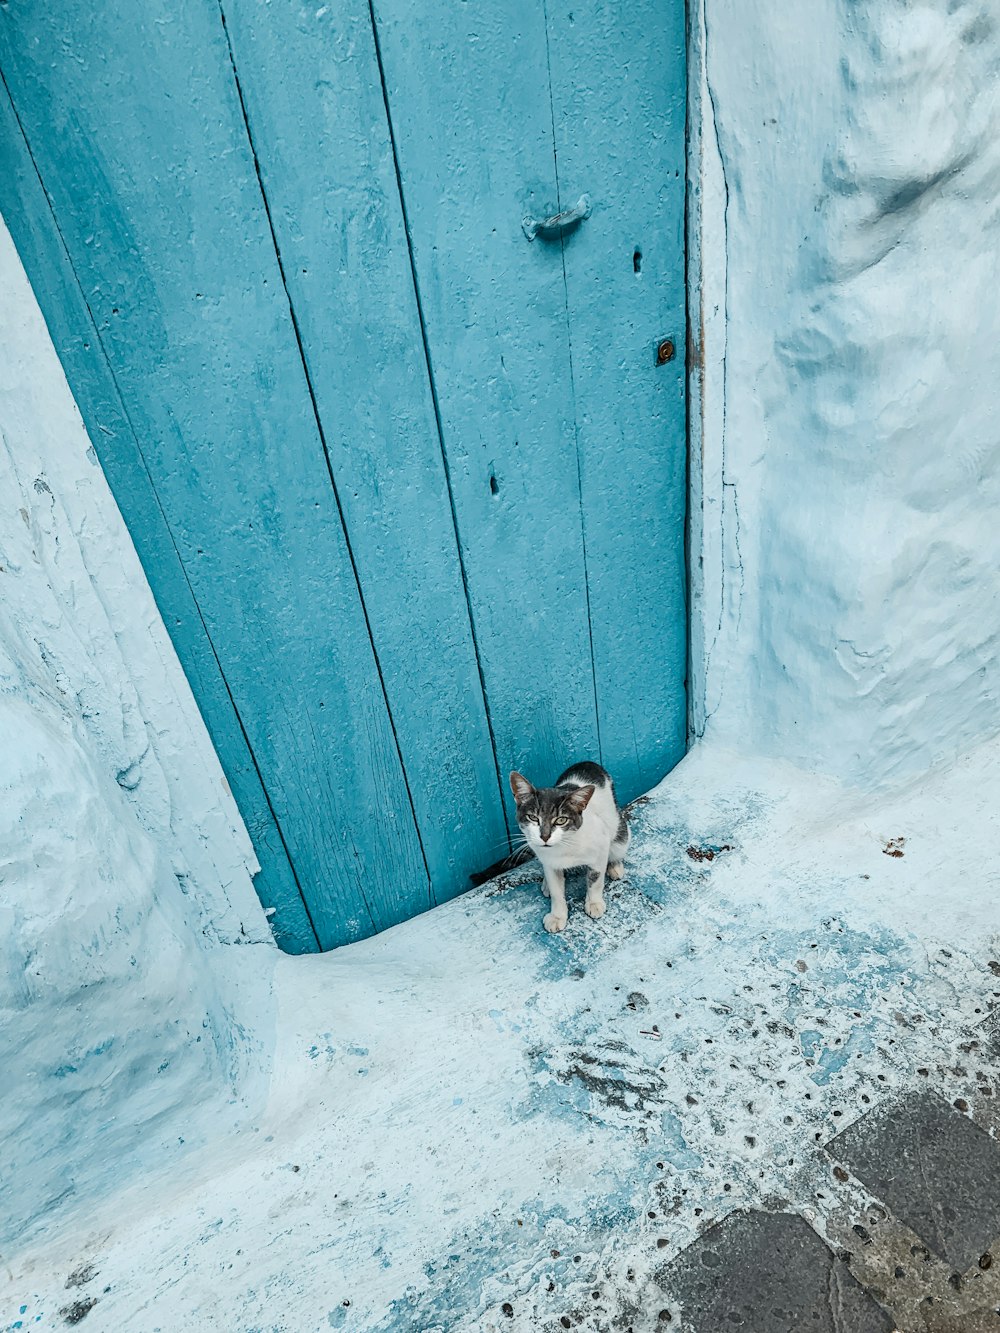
(761, 1093)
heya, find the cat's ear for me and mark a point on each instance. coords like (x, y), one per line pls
(579, 799)
(521, 787)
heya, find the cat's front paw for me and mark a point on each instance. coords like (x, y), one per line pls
(594, 909)
(616, 870)
(554, 923)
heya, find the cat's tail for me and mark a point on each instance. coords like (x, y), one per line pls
(517, 858)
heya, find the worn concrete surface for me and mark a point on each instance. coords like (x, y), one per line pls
(477, 1126)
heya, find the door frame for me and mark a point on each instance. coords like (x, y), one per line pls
(714, 566)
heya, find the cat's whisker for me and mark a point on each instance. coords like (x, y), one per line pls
(514, 843)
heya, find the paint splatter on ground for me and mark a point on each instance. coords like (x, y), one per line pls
(778, 1059)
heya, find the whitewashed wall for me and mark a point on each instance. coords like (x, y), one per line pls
(126, 1014)
(847, 612)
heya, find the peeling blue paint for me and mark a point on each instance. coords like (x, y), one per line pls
(810, 1042)
(831, 1062)
(673, 1147)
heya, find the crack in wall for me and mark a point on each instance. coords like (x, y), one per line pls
(727, 539)
(731, 486)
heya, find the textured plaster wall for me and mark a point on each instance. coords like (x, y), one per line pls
(125, 887)
(846, 562)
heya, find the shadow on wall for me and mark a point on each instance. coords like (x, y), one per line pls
(115, 1041)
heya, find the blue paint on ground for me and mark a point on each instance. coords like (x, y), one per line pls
(810, 1042)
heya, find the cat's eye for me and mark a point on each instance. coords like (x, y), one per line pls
(561, 820)
(532, 816)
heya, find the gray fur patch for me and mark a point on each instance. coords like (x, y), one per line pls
(585, 773)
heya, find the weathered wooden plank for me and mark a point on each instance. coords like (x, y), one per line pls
(310, 84)
(26, 211)
(619, 105)
(132, 116)
(468, 91)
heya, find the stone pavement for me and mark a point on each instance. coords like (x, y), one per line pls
(919, 1256)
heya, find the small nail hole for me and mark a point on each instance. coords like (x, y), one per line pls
(494, 487)
(637, 261)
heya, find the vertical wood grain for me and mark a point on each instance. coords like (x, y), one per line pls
(619, 80)
(467, 86)
(310, 82)
(544, 355)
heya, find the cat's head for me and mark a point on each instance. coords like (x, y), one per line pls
(545, 815)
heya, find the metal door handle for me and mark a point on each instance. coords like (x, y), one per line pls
(559, 223)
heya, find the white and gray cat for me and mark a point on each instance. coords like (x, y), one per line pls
(577, 822)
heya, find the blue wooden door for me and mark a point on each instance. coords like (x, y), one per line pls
(409, 487)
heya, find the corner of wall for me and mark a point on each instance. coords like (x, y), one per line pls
(132, 1019)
